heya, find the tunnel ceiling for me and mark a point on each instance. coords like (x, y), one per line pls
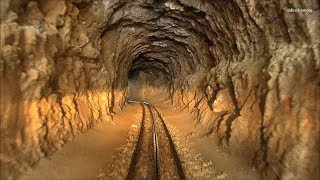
(170, 32)
(186, 35)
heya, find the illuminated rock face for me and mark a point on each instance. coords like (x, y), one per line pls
(247, 70)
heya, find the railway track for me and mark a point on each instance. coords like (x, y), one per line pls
(155, 156)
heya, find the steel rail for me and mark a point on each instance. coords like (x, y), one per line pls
(156, 168)
(137, 150)
(156, 160)
(172, 147)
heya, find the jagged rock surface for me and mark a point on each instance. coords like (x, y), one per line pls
(247, 70)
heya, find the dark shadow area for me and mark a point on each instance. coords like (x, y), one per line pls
(149, 80)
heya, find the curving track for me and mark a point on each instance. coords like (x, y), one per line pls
(155, 155)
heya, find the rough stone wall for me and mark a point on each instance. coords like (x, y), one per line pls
(261, 100)
(53, 86)
(247, 70)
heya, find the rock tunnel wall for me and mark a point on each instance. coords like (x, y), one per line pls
(53, 84)
(247, 70)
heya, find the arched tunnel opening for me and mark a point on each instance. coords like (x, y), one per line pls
(159, 89)
(149, 80)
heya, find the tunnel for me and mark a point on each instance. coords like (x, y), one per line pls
(149, 80)
(159, 89)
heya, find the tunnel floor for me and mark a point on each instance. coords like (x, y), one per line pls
(106, 151)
